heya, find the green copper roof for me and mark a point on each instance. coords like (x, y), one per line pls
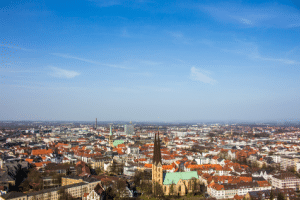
(116, 142)
(174, 177)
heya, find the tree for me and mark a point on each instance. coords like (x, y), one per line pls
(98, 171)
(120, 185)
(194, 185)
(202, 188)
(120, 169)
(280, 196)
(113, 167)
(186, 188)
(271, 195)
(254, 164)
(137, 178)
(146, 188)
(291, 169)
(158, 190)
(264, 166)
(34, 181)
(172, 190)
(109, 194)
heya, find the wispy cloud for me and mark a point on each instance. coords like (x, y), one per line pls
(14, 47)
(251, 50)
(63, 73)
(179, 37)
(246, 21)
(124, 33)
(263, 15)
(88, 60)
(282, 60)
(108, 3)
(201, 75)
(149, 62)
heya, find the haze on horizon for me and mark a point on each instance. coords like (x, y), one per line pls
(150, 60)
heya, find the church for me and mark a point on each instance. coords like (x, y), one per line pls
(172, 183)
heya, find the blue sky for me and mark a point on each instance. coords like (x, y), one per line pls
(147, 60)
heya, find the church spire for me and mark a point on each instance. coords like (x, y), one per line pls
(110, 132)
(159, 153)
(156, 153)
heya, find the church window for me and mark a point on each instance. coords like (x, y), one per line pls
(179, 189)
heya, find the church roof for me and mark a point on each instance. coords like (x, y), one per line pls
(117, 142)
(174, 177)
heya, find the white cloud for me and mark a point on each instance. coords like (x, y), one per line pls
(251, 50)
(201, 75)
(176, 34)
(88, 61)
(262, 15)
(108, 3)
(62, 73)
(246, 21)
(179, 37)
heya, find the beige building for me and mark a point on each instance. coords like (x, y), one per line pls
(288, 162)
(98, 162)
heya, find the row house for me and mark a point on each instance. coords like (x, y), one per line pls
(226, 191)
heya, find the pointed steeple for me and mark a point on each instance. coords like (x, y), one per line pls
(158, 144)
(156, 153)
(110, 132)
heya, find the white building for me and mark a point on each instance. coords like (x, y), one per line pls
(286, 180)
(129, 129)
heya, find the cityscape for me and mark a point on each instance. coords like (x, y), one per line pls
(96, 160)
(150, 99)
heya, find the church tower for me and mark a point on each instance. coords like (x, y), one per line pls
(110, 138)
(157, 171)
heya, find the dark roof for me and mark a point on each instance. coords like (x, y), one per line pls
(98, 189)
(54, 166)
(12, 195)
(265, 194)
(285, 175)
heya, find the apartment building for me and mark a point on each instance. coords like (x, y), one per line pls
(266, 194)
(286, 180)
(228, 191)
(76, 190)
(98, 162)
(288, 162)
